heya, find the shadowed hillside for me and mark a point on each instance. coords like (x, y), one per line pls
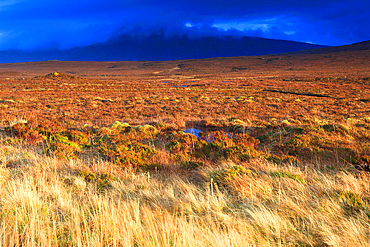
(157, 47)
(361, 46)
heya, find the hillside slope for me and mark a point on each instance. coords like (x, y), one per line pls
(157, 47)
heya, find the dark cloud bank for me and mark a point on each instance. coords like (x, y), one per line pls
(157, 30)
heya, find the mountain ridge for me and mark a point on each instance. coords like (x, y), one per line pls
(358, 46)
(156, 47)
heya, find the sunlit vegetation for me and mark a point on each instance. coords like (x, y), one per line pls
(248, 152)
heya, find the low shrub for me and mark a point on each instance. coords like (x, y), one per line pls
(101, 181)
(190, 165)
(286, 174)
(222, 177)
(289, 159)
(123, 151)
(351, 202)
(26, 132)
(60, 146)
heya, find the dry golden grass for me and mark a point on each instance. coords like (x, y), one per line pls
(47, 202)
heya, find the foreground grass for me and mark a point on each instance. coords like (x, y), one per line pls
(46, 201)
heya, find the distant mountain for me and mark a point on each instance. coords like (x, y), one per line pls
(361, 46)
(156, 47)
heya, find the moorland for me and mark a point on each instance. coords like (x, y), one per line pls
(241, 151)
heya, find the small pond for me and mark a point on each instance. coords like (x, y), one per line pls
(193, 131)
(180, 86)
(207, 137)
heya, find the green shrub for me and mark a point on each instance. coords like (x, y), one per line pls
(221, 145)
(240, 153)
(224, 176)
(298, 141)
(78, 137)
(190, 165)
(289, 159)
(123, 150)
(62, 147)
(351, 202)
(100, 181)
(182, 142)
(285, 174)
(117, 125)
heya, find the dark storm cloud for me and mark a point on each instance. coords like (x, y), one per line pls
(40, 24)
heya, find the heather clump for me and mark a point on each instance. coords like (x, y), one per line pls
(191, 165)
(220, 145)
(123, 127)
(286, 174)
(180, 142)
(288, 159)
(325, 142)
(61, 146)
(27, 132)
(221, 177)
(122, 150)
(214, 145)
(101, 182)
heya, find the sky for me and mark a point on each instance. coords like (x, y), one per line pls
(63, 24)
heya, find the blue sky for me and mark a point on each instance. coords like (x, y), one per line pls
(46, 24)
